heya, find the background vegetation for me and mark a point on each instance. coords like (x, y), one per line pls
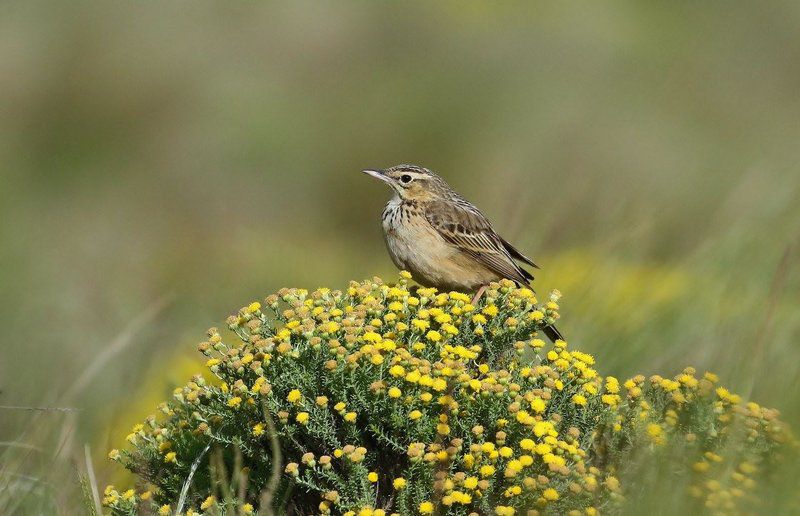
(161, 165)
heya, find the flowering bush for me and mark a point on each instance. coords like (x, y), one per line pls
(390, 399)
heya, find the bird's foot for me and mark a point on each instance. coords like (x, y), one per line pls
(478, 295)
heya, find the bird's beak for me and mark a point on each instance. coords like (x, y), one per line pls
(377, 173)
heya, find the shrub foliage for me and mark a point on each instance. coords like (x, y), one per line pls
(394, 399)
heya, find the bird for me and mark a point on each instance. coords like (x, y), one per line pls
(442, 239)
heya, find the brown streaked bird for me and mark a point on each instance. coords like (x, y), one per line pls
(442, 239)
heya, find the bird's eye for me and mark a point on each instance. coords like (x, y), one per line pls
(405, 179)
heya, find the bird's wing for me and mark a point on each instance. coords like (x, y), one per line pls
(463, 226)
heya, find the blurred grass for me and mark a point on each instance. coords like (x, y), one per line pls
(645, 154)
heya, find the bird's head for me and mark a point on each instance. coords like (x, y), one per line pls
(412, 182)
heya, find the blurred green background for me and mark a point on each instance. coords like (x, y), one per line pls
(163, 164)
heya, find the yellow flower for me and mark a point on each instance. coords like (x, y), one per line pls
(414, 415)
(399, 483)
(449, 328)
(610, 399)
(164, 510)
(397, 371)
(371, 336)
(579, 399)
(538, 405)
(487, 470)
(462, 498)
(394, 392)
(420, 324)
(372, 477)
(669, 385)
(247, 508)
(171, 457)
(479, 319)
(350, 417)
(542, 428)
(258, 429)
(302, 418)
(254, 307)
(294, 396)
(443, 318)
(433, 336)
(747, 468)
(524, 418)
(514, 466)
(471, 482)
(208, 502)
(550, 494)
(235, 402)
(426, 508)
(655, 432)
(114, 454)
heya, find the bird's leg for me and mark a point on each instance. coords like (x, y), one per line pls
(478, 295)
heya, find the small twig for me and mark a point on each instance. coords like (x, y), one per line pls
(40, 409)
(188, 482)
(98, 507)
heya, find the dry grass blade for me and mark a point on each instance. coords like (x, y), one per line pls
(777, 286)
(267, 495)
(25, 446)
(188, 482)
(39, 432)
(122, 341)
(98, 507)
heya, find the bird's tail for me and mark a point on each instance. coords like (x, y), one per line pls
(552, 333)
